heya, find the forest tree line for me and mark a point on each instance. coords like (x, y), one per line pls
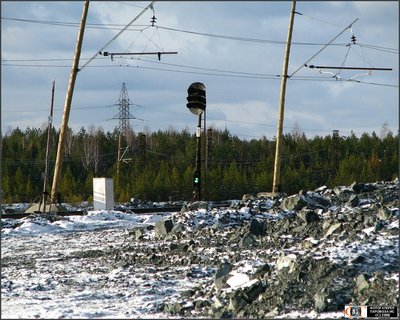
(159, 166)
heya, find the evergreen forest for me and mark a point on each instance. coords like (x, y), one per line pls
(159, 166)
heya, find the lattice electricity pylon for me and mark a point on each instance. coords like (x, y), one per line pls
(123, 111)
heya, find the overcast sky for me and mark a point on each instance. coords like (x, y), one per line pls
(236, 48)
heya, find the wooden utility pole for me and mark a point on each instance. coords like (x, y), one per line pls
(197, 194)
(67, 105)
(46, 164)
(119, 158)
(1, 156)
(205, 157)
(278, 150)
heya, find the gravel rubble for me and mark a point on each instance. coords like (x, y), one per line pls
(306, 255)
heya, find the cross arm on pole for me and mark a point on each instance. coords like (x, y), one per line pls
(347, 68)
(150, 6)
(159, 53)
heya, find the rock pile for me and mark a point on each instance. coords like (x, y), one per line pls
(315, 251)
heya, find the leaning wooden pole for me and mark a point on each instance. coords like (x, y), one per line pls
(46, 163)
(278, 149)
(67, 105)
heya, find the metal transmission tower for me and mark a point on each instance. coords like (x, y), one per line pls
(124, 127)
(123, 111)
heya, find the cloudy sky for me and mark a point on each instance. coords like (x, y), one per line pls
(236, 48)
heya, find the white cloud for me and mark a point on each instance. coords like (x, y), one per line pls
(247, 101)
(246, 117)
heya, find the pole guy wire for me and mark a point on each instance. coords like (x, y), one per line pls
(118, 34)
(323, 48)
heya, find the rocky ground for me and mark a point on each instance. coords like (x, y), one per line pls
(314, 251)
(264, 257)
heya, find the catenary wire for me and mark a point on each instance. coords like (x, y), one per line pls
(317, 19)
(266, 77)
(117, 27)
(323, 48)
(228, 37)
(117, 35)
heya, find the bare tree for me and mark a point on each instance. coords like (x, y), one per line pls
(384, 131)
(130, 137)
(87, 151)
(296, 132)
(91, 149)
(96, 150)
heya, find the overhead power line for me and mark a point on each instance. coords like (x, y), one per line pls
(118, 34)
(316, 19)
(116, 26)
(324, 47)
(227, 74)
(228, 37)
(108, 26)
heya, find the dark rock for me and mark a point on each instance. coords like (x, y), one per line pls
(393, 231)
(304, 284)
(361, 283)
(382, 289)
(163, 227)
(225, 219)
(178, 228)
(378, 226)
(333, 228)
(188, 293)
(308, 216)
(369, 220)
(358, 259)
(200, 304)
(354, 200)
(222, 314)
(173, 308)
(384, 213)
(237, 301)
(317, 201)
(257, 227)
(357, 187)
(176, 232)
(139, 233)
(299, 229)
(295, 202)
(262, 270)
(362, 187)
(222, 275)
(253, 291)
(343, 195)
(247, 240)
(320, 301)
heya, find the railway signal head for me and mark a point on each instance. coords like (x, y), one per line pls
(196, 98)
(196, 179)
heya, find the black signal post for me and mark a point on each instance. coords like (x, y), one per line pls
(197, 105)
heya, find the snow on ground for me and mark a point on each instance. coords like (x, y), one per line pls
(48, 269)
(49, 272)
(94, 220)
